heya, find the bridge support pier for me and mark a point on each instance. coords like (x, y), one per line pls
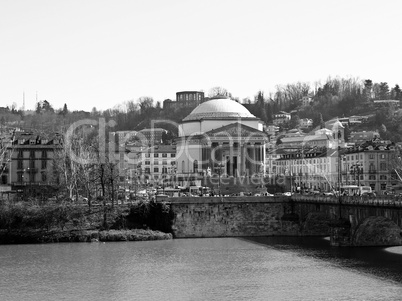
(340, 233)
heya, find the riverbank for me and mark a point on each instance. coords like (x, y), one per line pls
(38, 236)
(50, 222)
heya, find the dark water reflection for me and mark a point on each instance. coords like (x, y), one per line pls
(200, 269)
(383, 262)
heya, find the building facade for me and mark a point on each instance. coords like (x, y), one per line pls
(281, 117)
(184, 99)
(32, 160)
(157, 164)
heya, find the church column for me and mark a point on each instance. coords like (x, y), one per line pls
(217, 157)
(256, 158)
(260, 159)
(238, 155)
(264, 159)
(252, 159)
(213, 157)
(201, 161)
(243, 159)
(208, 157)
(231, 158)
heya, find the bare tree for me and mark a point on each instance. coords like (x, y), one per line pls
(217, 92)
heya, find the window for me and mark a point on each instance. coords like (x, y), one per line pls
(19, 164)
(382, 156)
(147, 155)
(383, 177)
(44, 164)
(44, 178)
(383, 166)
(20, 154)
(20, 177)
(147, 162)
(164, 155)
(371, 177)
(164, 162)
(156, 162)
(156, 169)
(147, 170)
(383, 186)
(195, 166)
(183, 166)
(32, 164)
(156, 155)
(32, 154)
(371, 156)
(44, 154)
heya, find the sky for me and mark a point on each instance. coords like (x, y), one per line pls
(98, 53)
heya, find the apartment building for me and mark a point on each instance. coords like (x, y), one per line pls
(309, 169)
(370, 164)
(32, 159)
(158, 164)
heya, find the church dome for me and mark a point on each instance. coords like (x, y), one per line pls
(221, 108)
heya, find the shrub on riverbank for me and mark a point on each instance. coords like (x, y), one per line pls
(153, 215)
(38, 236)
(31, 222)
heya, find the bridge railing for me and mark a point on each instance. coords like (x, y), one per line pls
(387, 201)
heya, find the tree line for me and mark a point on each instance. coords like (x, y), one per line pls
(336, 97)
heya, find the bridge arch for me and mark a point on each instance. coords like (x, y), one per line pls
(377, 231)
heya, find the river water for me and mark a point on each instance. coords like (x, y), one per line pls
(200, 269)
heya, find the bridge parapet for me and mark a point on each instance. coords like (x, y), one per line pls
(383, 201)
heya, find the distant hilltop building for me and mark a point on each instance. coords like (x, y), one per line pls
(305, 100)
(386, 102)
(144, 137)
(184, 99)
(281, 117)
(305, 123)
(330, 137)
(361, 137)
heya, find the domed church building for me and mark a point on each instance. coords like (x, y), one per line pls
(220, 137)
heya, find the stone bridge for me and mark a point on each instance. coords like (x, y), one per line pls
(350, 221)
(353, 221)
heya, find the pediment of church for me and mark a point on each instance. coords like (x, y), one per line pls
(236, 130)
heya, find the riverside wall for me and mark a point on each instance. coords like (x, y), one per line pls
(230, 216)
(355, 222)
